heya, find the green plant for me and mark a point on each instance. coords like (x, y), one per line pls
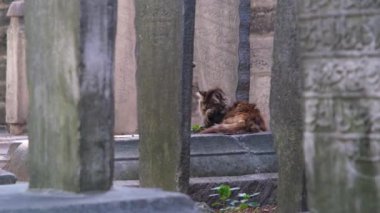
(196, 128)
(226, 203)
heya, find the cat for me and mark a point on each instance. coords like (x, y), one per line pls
(241, 117)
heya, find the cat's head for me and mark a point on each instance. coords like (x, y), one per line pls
(211, 99)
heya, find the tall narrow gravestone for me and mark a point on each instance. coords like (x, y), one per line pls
(70, 71)
(221, 47)
(340, 43)
(164, 73)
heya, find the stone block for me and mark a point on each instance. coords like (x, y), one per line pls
(16, 199)
(7, 178)
(211, 155)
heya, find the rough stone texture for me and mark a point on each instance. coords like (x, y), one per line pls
(7, 177)
(286, 108)
(263, 16)
(216, 45)
(17, 91)
(165, 32)
(120, 199)
(211, 155)
(125, 70)
(70, 71)
(340, 44)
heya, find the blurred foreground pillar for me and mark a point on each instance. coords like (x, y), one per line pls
(70, 80)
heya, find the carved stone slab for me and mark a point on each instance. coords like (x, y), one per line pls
(340, 43)
(165, 32)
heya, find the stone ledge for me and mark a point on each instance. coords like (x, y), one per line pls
(17, 199)
(211, 155)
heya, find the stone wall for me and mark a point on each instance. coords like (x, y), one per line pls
(4, 21)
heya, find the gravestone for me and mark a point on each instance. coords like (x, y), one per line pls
(165, 32)
(261, 39)
(16, 92)
(221, 47)
(340, 43)
(286, 108)
(70, 79)
(125, 70)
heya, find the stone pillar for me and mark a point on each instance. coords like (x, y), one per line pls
(340, 43)
(16, 90)
(244, 51)
(70, 80)
(165, 32)
(262, 30)
(221, 47)
(286, 108)
(125, 70)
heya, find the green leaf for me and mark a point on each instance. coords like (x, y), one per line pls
(224, 192)
(243, 206)
(196, 128)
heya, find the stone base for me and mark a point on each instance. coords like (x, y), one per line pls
(7, 177)
(17, 199)
(212, 155)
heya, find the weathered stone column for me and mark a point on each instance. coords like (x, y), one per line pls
(125, 69)
(221, 47)
(261, 39)
(340, 43)
(70, 80)
(286, 108)
(165, 32)
(16, 91)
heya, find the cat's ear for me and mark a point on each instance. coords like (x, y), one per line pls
(201, 94)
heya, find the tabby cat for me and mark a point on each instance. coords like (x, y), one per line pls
(241, 117)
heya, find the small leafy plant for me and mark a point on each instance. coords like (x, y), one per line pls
(225, 202)
(196, 128)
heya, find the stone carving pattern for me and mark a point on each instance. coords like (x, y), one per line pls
(340, 44)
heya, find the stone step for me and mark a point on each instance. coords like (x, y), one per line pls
(16, 199)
